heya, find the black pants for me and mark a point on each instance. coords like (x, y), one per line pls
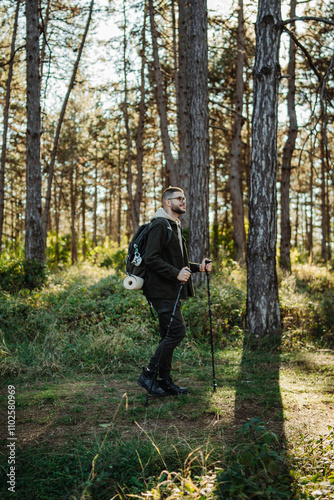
(176, 334)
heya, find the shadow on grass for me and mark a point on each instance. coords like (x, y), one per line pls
(257, 465)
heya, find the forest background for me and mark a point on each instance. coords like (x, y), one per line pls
(104, 104)
(107, 160)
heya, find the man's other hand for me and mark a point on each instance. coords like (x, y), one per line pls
(206, 263)
(184, 274)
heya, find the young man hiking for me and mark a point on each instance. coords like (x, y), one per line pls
(167, 268)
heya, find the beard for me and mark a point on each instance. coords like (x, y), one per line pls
(178, 209)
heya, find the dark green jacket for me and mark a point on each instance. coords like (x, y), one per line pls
(164, 261)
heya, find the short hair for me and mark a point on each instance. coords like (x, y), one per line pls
(166, 194)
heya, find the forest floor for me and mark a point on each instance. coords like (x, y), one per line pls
(62, 423)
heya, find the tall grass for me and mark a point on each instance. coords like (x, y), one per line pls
(84, 318)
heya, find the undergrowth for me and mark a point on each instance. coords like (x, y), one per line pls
(83, 321)
(85, 316)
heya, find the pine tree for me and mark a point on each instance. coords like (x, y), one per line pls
(263, 312)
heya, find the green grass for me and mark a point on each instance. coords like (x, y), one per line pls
(74, 349)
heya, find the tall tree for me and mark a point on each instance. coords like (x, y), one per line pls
(73, 203)
(141, 123)
(161, 101)
(134, 198)
(5, 121)
(199, 131)
(263, 312)
(34, 245)
(239, 234)
(288, 150)
(60, 123)
(182, 68)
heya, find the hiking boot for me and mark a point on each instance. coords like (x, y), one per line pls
(168, 385)
(148, 382)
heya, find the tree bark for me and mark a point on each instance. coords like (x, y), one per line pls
(140, 130)
(285, 261)
(263, 312)
(324, 217)
(5, 121)
(57, 220)
(215, 231)
(161, 103)
(34, 243)
(73, 197)
(95, 203)
(83, 210)
(182, 94)
(239, 234)
(59, 125)
(44, 24)
(297, 221)
(127, 127)
(119, 205)
(199, 133)
(310, 240)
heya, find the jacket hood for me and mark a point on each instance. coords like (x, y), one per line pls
(161, 213)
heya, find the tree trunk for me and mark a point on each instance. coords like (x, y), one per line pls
(57, 220)
(95, 205)
(111, 209)
(329, 250)
(288, 150)
(215, 235)
(199, 133)
(140, 130)
(161, 103)
(263, 312)
(297, 221)
(73, 196)
(44, 25)
(311, 211)
(239, 234)
(83, 209)
(5, 121)
(119, 205)
(127, 128)
(323, 196)
(34, 244)
(182, 93)
(60, 122)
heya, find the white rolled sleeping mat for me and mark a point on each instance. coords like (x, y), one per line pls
(132, 282)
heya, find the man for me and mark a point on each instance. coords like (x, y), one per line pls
(167, 267)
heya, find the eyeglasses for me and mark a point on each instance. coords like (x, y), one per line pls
(180, 198)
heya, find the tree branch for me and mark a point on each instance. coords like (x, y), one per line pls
(231, 110)
(11, 59)
(305, 51)
(308, 18)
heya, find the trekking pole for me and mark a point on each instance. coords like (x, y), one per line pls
(214, 385)
(164, 342)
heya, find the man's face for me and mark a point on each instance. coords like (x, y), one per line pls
(178, 203)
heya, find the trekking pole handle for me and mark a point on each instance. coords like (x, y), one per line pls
(207, 261)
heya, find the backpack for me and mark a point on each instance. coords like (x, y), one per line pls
(135, 260)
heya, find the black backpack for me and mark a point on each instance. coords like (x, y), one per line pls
(135, 260)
